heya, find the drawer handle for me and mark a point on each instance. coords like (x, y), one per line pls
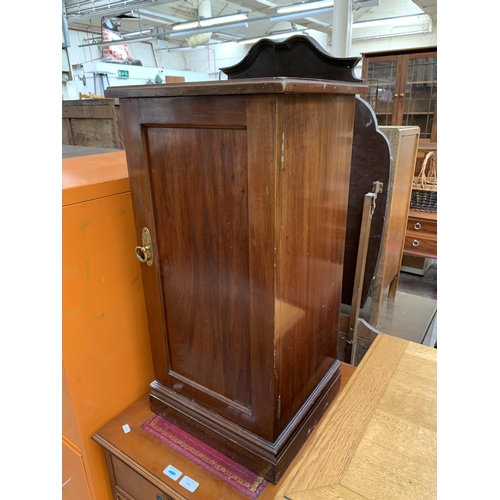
(415, 243)
(417, 226)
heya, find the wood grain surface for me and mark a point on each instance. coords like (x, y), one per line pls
(136, 459)
(377, 440)
(245, 197)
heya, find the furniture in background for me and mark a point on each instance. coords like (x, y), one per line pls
(174, 79)
(384, 156)
(106, 356)
(404, 146)
(370, 172)
(90, 96)
(402, 88)
(403, 91)
(376, 440)
(91, 122)
(392, 161)
(421, 234)
(421, 239)
(240, 202)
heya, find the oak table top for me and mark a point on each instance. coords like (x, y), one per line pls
(378, 441)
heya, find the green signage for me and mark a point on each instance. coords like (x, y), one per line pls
(122, 73)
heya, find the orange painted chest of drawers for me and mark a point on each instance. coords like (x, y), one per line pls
(107, 362)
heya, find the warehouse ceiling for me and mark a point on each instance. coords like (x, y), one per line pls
(157, 18)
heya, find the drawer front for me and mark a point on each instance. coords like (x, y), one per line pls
(415, 245)
(130, 483)
(74, 480)
(422, 226)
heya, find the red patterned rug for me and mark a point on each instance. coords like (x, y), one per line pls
(223, 467)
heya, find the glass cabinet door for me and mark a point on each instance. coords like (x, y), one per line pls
(421, 94)
(402, 89)
(381, 82)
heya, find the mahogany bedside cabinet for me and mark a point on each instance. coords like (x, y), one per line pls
(240, 189)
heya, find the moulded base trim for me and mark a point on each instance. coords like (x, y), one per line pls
(266, 458)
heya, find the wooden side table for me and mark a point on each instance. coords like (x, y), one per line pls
(377, 440)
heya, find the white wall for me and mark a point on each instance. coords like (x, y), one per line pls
(384, 42)
(84, 60)
(202, 63)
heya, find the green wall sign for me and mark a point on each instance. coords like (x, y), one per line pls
(123, 73)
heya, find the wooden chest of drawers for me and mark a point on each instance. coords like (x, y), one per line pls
(421, 234)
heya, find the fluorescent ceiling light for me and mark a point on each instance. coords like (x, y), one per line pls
(300, 15)
(275, 36)
(267, 2)
(119, 42)
(147, 17)
(182, 34)
(390, 21)
(83, 9)
(211, 21)
(301, 7)
(135, 33)
(156, 16)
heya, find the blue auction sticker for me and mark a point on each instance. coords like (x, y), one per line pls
(172, 472)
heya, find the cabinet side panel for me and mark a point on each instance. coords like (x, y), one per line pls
(312, 191)
(200, 202)
(265, 122)
(404, 151)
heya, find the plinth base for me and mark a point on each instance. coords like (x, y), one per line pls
(268, 459)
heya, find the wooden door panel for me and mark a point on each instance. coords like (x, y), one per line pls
(200, 199)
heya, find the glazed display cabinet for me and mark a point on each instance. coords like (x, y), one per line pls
(402, 88)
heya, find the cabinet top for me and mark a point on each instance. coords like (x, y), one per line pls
(274, 85)
(395, 52)
(86, 178)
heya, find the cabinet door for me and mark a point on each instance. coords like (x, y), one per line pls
(420, 95)
(382, 77)
(402, 90)
(200, 190)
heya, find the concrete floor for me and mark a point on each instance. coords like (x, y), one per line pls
(411, 315)
(423, 286)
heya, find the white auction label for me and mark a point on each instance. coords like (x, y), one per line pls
(188, 483)
(126, 428)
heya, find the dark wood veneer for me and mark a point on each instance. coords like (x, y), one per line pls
(371, 162)
(245, 196)
(297, 56)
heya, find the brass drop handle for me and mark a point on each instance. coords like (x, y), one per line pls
(144, 253)
(417, 226)
(415, 243)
